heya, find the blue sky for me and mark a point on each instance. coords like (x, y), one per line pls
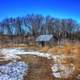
(55, 8)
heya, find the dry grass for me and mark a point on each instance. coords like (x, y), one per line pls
(40, 68)
(44, 49)
(69, 49)
(66, 49)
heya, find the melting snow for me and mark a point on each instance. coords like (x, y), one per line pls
(13, 71)
(62, 71)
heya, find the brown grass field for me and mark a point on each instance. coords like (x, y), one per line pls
(40, 68)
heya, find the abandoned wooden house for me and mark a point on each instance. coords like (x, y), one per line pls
(44, 40)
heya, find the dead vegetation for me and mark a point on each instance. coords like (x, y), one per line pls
(40, 68)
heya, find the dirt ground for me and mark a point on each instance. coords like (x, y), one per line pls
(39, 68)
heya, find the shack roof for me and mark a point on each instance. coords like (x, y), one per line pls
(44, 37)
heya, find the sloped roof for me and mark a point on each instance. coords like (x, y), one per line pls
(44, 37)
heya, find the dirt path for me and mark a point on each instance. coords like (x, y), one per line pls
(39, 68)
(39, 72)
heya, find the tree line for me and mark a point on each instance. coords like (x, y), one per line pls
(37, 24)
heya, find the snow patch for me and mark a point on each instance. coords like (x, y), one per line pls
(62, 71)
(8, 54)
(13, 71)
